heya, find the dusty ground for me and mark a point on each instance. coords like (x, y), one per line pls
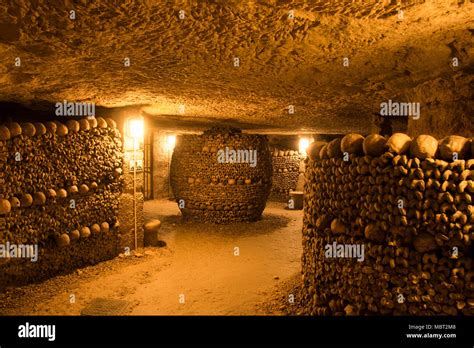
(199, 261)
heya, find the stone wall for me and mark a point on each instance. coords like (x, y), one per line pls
(209, 191)
(447, 107)
(161, 165)
(60, 189)
(409, 205)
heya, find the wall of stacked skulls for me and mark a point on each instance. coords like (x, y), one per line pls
(410, 203)
(220, 192)
(287, 166)
(60, 184)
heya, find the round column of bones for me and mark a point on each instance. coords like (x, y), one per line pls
(409, 203)
(221, 176)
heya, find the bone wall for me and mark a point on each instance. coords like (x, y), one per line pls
(408, 202)
(287, 166)
(60, 190)
(209, 191)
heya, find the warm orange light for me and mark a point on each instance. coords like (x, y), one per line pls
(136, 128)
(304, 143)
(171, 141)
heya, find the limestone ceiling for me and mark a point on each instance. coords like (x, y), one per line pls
(289, 53)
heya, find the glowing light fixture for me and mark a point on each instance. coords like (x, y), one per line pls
(171, 141)
(304, 143)
(136, 128)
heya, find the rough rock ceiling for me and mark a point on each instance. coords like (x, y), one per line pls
(190, 61)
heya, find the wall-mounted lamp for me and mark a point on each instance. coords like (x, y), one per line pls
(304, 143)
(170, 141)
(136, 128)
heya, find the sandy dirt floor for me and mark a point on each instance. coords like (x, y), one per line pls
(238, 269)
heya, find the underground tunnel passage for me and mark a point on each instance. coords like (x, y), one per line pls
(242, 158)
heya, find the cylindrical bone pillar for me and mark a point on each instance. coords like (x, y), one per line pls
(222, 175)
(389, 232)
